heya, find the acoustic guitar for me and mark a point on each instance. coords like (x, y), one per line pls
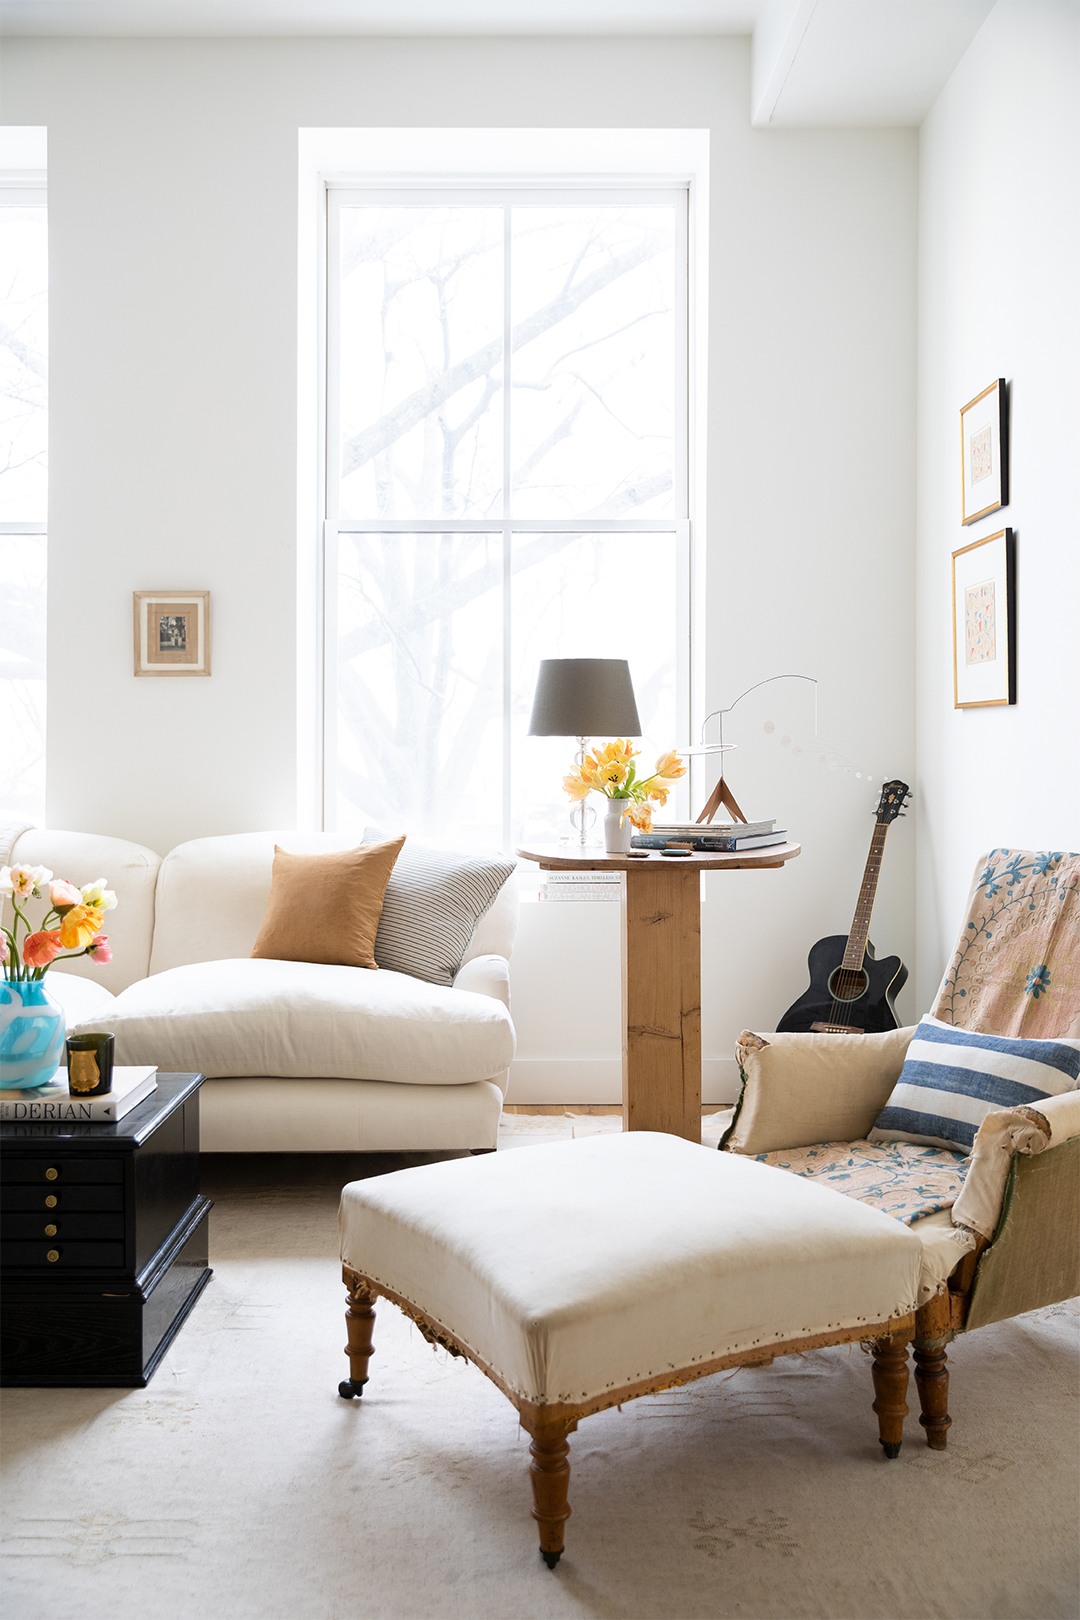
(851, 993)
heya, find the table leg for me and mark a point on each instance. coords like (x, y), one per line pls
(661, 956)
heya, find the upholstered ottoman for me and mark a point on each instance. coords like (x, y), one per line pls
(582, 1274)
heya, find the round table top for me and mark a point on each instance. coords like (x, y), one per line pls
(565, 858)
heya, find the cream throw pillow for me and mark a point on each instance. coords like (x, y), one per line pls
(326, 908)
(802, 1089)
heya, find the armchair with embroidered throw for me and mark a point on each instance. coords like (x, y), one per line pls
(965, 1128)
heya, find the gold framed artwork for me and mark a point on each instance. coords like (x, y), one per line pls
(984, 446)
(172, 632)
(984, 622)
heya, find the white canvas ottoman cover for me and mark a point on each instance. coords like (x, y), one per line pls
(578, 1268)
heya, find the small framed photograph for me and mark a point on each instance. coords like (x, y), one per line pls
(984, 440)
(984, 622)
(172, 632)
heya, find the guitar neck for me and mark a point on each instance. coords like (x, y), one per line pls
(860, 923)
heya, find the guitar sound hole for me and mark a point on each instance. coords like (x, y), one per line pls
(848, 984)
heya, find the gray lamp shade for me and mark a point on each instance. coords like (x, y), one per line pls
(584, 697)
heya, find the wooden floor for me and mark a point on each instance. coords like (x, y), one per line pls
(588, 1108)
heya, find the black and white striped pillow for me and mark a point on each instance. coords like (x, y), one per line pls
(952, 1078)
(433, 902)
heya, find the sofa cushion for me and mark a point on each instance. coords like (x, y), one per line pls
(83, 1000)
(256, 1016)
(434, 900)
(326, 907)
(952, 1078)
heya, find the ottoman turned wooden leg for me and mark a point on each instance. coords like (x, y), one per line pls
(550, 1472)
(890, 1387)
(359, 1324)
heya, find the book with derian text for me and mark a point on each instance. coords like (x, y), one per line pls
(54, 1102)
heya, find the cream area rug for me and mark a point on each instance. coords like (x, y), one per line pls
(238, 1486)
(527, 1130)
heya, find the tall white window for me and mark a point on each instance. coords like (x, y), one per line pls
(23, 497)
(506, 481)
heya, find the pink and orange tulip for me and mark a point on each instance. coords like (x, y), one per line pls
(42, 948)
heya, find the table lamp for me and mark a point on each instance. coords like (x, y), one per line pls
(583, 698)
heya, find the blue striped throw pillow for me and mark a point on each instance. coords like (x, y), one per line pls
(952, 1078)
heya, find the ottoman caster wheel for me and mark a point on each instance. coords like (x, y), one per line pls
(891, 1448)
(550, 1558)
(350, 1387)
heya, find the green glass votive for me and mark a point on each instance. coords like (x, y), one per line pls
(90, 1064)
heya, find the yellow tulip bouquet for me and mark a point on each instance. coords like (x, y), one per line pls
(611, 771)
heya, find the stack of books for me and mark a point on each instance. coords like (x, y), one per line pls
(581, 886)
(716, 837)
(38, 1104)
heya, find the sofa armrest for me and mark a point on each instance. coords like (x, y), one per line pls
(798, 1090)
(486, 976)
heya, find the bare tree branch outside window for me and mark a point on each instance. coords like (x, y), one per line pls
(432, 625)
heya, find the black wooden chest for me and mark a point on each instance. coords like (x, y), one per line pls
(103, 1241)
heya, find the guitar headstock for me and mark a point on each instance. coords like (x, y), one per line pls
(894, 796)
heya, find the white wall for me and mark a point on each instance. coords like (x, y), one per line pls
(999, 274)
(173, 191)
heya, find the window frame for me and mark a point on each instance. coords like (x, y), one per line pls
(28, 188)
(537, 191)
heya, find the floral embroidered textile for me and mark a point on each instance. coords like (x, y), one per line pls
(898, 1178)
(1016, 967)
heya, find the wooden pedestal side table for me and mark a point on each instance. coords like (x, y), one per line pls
(661, 974)
(103, 1242)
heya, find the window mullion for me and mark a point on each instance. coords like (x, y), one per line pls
(507, 675)
(331, 390)
(507, 358)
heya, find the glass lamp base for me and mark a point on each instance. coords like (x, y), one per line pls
(583, 820)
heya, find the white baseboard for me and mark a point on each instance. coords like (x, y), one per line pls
(599, 1080)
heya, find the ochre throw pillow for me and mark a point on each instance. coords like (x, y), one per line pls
(326, 908)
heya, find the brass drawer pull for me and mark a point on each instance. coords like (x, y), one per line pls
(52, 1201)
(51, 1231)
(51, 1175)
(53, 1254)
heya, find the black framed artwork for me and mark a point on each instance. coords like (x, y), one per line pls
(984, 622)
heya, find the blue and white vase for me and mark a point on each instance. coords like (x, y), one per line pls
(32, 1029)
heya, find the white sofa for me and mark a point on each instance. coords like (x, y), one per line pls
(298, 1056)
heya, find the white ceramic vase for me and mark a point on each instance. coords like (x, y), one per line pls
(617, 837)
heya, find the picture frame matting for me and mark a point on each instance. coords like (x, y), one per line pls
(172, 632)
(984, 622)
